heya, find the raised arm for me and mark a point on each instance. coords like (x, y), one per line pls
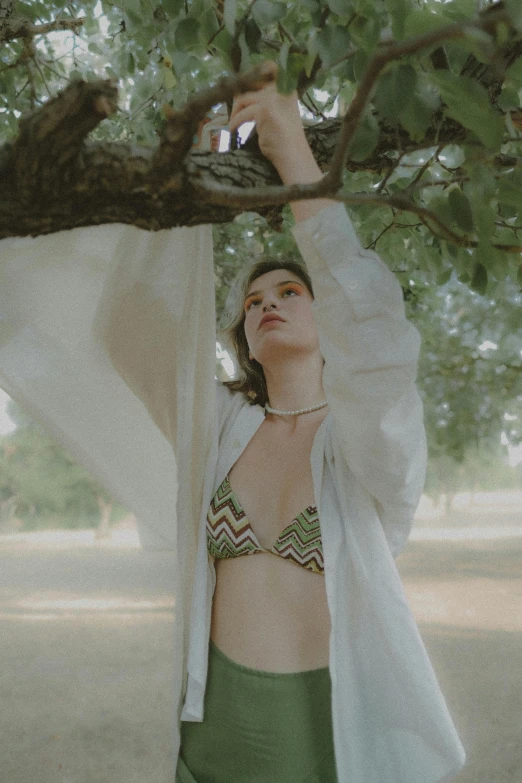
(370, 349)
(371, 352)
(281, 139)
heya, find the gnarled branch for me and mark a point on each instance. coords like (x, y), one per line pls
(52, 179)
(12, 27)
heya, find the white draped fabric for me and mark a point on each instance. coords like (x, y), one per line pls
(58, 294)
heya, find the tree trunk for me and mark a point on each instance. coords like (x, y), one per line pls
(102, 531)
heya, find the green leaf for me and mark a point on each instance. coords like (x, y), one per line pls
(515, 70)
(498, 266)
(468, 103)
(395, 91)
(131, 5)
(461, 260)
(186, 36)
(519, 275)
(360, 64)
(169, 80)
(245, 51)
(332, 43)
(266, 12)
(515, 11)
(484, 217)
(340, 7)
(457, 10)
(287, 78)
(134, 22)
(195, 8)
(479, 280)
(173, 7)
(461, 210)
(398, 10)
(510, 126)
(27, 10)
(364, 7)
(208, 24)
(229, 15)
(509, 98)
(283, 55)
(483, 183)
(311, 52)
(423, 21)
(416, 117)
(252, 35)
(443, 277)
(223, 41)
(366, 138)
(366, 31)
(442, 208)
(510, 189)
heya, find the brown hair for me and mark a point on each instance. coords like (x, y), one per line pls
(250, 378)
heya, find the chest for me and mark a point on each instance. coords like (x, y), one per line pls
(272, 478)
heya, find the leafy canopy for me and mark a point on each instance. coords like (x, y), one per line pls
(441, 130)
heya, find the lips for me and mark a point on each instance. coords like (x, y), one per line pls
(270, 317)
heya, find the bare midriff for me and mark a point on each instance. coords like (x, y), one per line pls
(269, 613)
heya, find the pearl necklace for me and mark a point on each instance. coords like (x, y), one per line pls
(268, 409)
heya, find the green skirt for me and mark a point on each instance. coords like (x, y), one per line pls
(259, 727)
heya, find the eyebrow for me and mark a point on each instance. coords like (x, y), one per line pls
(283, 282)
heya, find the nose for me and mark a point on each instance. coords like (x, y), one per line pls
(269, 301)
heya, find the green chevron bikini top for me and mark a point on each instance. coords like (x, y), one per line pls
(230, 534)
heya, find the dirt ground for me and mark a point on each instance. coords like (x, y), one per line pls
(87, 635)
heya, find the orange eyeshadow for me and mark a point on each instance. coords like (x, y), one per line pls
(297, 287)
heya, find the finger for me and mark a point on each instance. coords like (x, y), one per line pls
(269, 68)
(248, 114)
(253, 99)
(266, 72)
(243, 100)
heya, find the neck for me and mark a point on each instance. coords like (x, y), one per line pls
(295, 382)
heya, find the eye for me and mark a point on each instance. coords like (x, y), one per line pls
(291, 290)
(250, 302)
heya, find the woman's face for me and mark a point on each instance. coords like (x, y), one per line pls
(281, 293)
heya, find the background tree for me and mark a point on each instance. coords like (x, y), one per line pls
(41, 484)
(411, 107)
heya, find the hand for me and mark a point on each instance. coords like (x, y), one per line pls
(278, 122)
(281, 137)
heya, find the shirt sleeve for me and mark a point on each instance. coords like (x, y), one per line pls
(107, 338)
(156, 323)
(371, 353)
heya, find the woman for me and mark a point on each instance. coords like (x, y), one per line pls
(347, 360)
(302, 661)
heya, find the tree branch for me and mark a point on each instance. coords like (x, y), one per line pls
(50, 179)
(182, 125)
(21, 28)
(52, 137)
(384, 55)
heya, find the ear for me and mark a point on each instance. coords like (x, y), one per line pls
(250, 356)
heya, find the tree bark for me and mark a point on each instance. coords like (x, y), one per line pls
(12, 27)
(66, 183)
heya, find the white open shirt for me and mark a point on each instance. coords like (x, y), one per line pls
(108, 338)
